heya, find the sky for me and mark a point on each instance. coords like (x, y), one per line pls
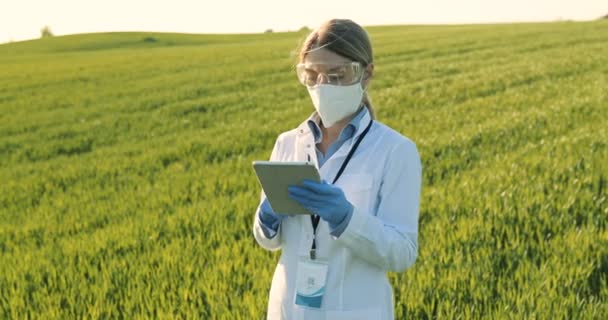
(23, 19)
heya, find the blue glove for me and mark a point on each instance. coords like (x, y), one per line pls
(324, 200)
(269, 218)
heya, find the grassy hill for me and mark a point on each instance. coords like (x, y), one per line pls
(127, 189)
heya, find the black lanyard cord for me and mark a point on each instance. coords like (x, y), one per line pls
(315, 218)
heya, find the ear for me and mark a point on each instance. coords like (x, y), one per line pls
(368, 74)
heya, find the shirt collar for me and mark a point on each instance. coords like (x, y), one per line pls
(347, 132)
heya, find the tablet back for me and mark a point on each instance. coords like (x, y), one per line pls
(275, 177)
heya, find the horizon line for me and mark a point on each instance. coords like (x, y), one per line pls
(430, 24)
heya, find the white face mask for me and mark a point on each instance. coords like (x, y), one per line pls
(334, 103)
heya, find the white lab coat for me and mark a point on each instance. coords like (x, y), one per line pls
(383, 182)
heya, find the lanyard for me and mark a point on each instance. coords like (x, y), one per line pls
(315, 218)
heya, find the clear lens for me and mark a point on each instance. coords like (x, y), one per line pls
(311, 74)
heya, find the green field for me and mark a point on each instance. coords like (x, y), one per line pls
(127, 189)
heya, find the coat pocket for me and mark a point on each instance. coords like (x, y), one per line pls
(357, 189)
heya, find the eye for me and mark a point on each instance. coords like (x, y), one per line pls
(333, 77)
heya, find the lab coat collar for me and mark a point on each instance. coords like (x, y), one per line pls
(362, 124)
(303, 128)
(306, 137)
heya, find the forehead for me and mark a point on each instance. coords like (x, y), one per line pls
(324, 56)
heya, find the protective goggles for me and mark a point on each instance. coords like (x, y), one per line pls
(343, 74)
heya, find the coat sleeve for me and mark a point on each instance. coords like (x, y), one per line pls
(266, 238)
(389, 239)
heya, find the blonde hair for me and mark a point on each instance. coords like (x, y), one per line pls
(346, 38)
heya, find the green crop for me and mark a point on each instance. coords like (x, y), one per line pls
(126, 186)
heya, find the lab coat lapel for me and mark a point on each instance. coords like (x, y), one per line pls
(305, 146)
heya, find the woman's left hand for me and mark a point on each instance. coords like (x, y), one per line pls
(323, 199)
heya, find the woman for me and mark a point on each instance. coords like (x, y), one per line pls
(334, 264)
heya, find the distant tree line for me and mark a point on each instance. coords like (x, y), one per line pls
(303, 29)
(45, 32)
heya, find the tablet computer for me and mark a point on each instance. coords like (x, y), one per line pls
(275, 177)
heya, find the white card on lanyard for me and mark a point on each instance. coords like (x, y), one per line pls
(310, 283)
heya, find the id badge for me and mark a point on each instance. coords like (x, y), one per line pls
(310, 283)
